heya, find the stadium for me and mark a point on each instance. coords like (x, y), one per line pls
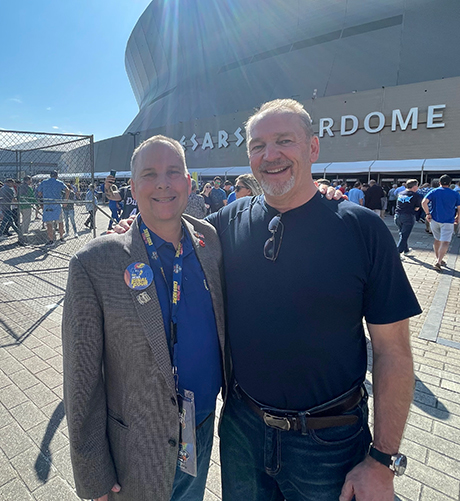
(380, 80)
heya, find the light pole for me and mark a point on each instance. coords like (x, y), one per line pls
(134, 134)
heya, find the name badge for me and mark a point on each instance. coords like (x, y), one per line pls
(187, 459)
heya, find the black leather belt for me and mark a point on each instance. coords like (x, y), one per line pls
(327, 416)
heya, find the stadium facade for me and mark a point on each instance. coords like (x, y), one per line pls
(381, 81)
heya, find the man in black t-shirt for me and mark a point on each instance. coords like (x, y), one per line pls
(295, 423)
(407, 205)
(373, 197)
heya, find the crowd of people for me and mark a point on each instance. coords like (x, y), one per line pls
(436, 204)
(51, 202)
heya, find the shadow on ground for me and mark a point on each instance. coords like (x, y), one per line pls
(20, 339)
(424, 398)
(45, 459)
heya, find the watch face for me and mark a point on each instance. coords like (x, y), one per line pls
(400, 464)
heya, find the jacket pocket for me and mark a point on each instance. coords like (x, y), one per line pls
(117, 419)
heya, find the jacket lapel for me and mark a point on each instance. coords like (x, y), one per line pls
(147, 307)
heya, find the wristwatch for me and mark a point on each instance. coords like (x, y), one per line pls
(396, 462)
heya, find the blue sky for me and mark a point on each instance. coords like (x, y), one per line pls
(62, 65)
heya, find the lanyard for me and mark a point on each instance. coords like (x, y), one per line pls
(175, 293)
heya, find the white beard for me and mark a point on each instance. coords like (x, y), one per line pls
(277, 189)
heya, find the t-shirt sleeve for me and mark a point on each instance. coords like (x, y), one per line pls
(212, 219)
(430, 195)
(458, 198)
(388, 295)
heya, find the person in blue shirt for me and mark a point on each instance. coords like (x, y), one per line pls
(140, 384)
(217, 195)
(356, 194)
(443, 213)
(53, 191)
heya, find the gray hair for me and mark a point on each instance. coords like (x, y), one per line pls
(250, 182)
(152, 140)
(281, 106)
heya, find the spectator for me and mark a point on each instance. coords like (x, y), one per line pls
(400, 189)
(392, 197)
(246, 185)
(218, 196)
(373, 198)
(407, 205)
(8, 197)
(228, 188)
(443, 213)
(123, 195)
(196, 206)
(91, 202)
(26, 198)
(53, 191)
(69, 212)
(356, 194)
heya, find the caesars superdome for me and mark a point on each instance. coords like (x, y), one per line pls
(380, 78)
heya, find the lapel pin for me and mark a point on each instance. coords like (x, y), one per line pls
(143, 298)
(138, 276)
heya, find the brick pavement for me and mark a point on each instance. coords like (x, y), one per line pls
(34, 450)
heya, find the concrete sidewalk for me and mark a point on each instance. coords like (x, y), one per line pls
(34, 450)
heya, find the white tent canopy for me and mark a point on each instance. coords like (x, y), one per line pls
(441, 165)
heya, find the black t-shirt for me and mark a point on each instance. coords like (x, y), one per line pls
(407, 202)
(373, 197)
(129, 203)
(295, 327)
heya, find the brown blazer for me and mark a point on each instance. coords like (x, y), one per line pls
(119, 392)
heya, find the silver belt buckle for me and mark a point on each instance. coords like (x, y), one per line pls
(281, 423)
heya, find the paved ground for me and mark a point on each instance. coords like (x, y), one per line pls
(34, 451)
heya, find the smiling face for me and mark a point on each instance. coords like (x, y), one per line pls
(161, 184)
(280, 155)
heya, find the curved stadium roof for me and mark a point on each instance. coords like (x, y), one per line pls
(205, 58)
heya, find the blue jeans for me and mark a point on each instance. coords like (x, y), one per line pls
(405, 223)
(260, 463)
(9, 220)
(69, 214)
(186, 487)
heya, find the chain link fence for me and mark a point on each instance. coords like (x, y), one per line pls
(47, 206)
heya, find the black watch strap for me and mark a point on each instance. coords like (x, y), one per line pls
(381, 457)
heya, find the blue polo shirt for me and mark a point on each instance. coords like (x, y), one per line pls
(444, 203)
(198, 350)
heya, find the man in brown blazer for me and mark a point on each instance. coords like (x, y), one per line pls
(139, 307)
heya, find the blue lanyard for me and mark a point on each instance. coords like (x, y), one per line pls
(175, 293)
